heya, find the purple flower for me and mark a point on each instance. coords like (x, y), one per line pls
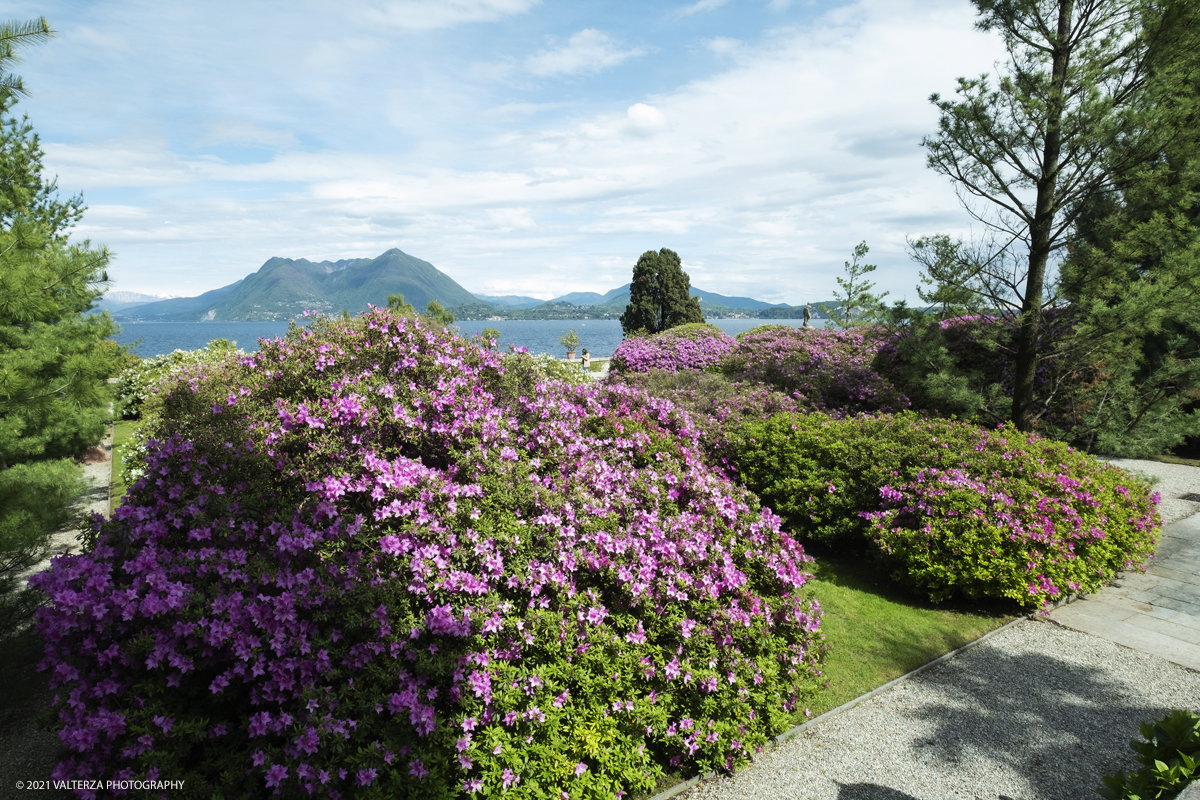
(275, 774)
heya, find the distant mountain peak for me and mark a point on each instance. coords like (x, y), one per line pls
(283, 288)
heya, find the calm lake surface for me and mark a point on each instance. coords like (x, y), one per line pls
(599, 336)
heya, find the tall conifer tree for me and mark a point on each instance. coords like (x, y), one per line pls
(53, 359)
(660, 294)
(1034, 146)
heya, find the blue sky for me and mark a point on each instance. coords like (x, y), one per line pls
(522, 147)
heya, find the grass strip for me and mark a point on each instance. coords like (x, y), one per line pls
(122, 430)
(877, 632)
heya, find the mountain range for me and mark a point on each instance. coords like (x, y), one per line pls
(283, 288)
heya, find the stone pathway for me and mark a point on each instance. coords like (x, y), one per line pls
(1157, 611)
(97, 472)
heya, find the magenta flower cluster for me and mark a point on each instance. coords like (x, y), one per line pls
(371, 561)
(827, 369)
(687, 347)
(1055, 523)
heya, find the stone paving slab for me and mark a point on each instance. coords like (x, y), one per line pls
(1084, 616)
(1157, 611)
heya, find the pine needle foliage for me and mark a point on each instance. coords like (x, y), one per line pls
(54, 360)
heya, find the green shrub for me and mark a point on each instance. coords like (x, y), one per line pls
(139, 383)
(533, 369)
(373, 561)
(952, 508)
(818, 473)
(1170, 759)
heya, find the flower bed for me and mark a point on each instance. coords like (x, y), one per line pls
(828, 370)
(374, 560)
(686, 347)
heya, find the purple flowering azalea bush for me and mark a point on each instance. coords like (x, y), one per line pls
(376, 560)
(695, 346)
(954, 509)
(715, 404)
(828, 369)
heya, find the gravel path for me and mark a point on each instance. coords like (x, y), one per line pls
(1036, 712)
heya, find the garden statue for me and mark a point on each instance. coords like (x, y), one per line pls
(807, 314)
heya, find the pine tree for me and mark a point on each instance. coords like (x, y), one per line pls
(1034, 146)
(1133, 277)
(54, 360)
(857, 300)
(660, 295)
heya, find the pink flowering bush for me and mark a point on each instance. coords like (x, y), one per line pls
(695, 346)
(374, 560)
(715, 404)
(827, 369)
(953, 508)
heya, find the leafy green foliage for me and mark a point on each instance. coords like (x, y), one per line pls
(569, 340)
(397, 303)
(53, 360)
(949, 277)
(1170, 759)
(438, 314)
(35, 499)
(856, 303)
(525, 369)
(954, 509)
(951, 367)
(1134, 273)
(818, 472)
(139, 383)
(659, 295)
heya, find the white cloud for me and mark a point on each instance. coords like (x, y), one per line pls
(645, 120)
(425, 15)
(245, 132)
(767, 173)
(722, 45)
(587, 51)
(701, 5)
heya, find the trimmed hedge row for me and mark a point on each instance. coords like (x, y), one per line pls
(954, 509)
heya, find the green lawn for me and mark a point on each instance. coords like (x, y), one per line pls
(877, 632)
(122, 428)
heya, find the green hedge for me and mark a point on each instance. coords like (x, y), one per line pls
(952, 508)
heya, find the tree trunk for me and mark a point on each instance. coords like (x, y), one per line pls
(1025, 366)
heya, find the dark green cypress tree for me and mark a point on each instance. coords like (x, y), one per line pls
(659, 295)
(54, 360)
(678, 305)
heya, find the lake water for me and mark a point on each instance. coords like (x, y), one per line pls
(599, 336)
